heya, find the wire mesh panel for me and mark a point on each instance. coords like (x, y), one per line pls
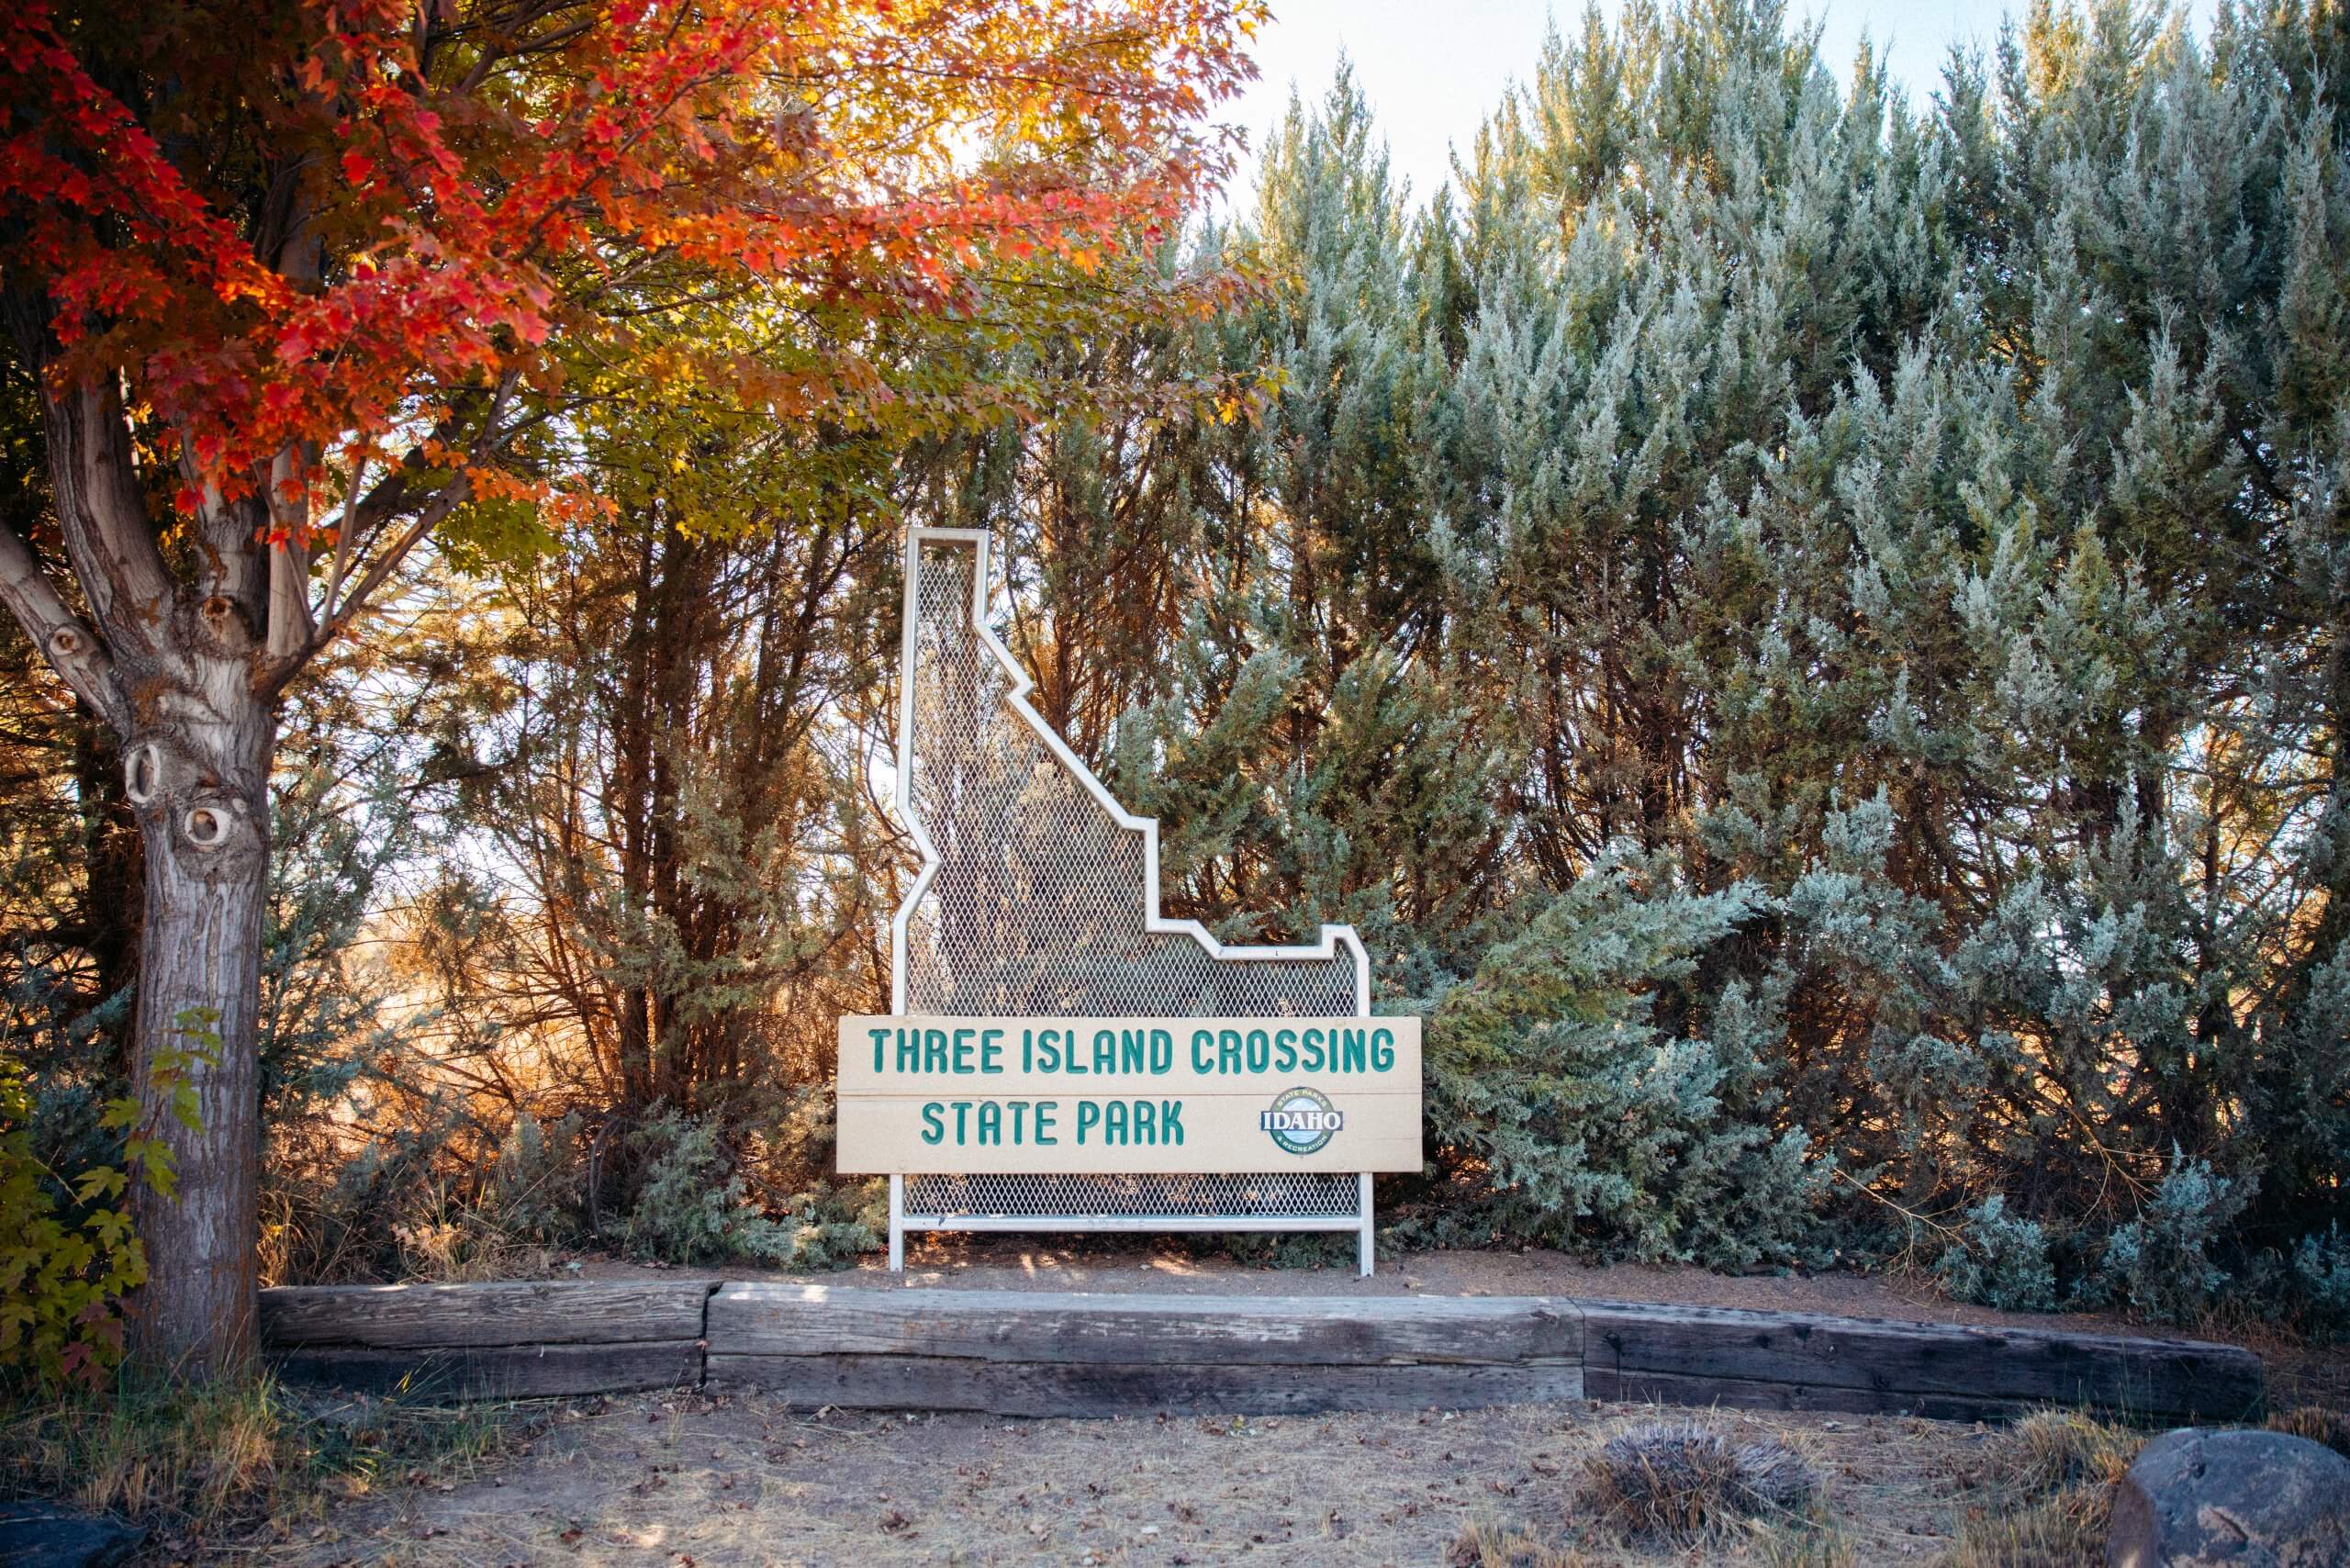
(1039, 899)
(1039, 902)
(1294, 1194)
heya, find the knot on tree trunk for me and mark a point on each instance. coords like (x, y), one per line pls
(210, 825)
(225, 626)
(220, 833)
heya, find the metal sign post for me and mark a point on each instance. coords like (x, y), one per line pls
(1036, 909)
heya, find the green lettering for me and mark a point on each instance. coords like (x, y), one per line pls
(1088, 1115)
(1114, 1123)
(1313, 1062)
(1202, 1039)
(1382, 1050)
(881, 1038)
(1260, 1050)
(962, 1123)
(1146, 1123)
(1227, 1051)
(1019, 1120)
(963, 1050)
(1170, 1123)
(1045, 1109)
(934, 1050)
(990, 1122)
(990, 1050)
(933, 1128)
(1284, 1049)
(1048, 1050)
(1162, 1052)
(1350, 1045)
(910, 1050)
(1106, 1051)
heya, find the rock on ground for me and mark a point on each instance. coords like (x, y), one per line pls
(2199, 1498)
(43, 1535)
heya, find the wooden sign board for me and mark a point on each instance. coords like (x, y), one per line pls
(1109, 1095)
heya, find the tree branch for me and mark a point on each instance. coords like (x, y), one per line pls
(70, 647)
(452, 495)
(446, 499)
(227, 566)
(291, 633)
(104, 517)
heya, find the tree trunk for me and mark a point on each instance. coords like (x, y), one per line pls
(113, 865)
(201, 791)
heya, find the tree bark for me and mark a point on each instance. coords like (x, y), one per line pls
(200, 789)
(179, 676)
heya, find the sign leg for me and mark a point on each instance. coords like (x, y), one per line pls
(897, 1225)
(1363, 1244)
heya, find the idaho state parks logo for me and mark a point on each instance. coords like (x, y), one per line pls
(1301, 1120)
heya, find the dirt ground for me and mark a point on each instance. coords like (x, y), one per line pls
(693, 1482)
(682, 1481)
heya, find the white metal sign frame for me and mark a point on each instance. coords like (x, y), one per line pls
(1082, 1203)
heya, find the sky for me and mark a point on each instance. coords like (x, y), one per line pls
(1434, 69)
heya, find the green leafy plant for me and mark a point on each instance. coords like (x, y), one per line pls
(68, 1253)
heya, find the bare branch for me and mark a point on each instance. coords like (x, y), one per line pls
(70, 647)
(108, 534)
(345, 531)
(291, 633)
(452, 495)
(446, 499)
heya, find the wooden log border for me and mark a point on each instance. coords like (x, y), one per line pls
(506, 1341)
(1058, 1353)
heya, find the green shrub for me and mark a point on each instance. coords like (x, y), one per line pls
(1598, 1127)
(2322, 1281)
(693, 1205)
(2160, 1263)
(2001, 1259)
(831, 1223)
(536, 1186)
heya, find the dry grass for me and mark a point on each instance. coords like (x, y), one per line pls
(1814, 1544)
(1686, 1481)
(468, 1252)
(2065, 1531)
(2048, 1486)
(2048, 1482)
(2316, 1423)
(1491, 1544)
(201, 1460)
(2049, 1451)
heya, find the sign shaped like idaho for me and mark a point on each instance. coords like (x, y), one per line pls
(1020, 1096)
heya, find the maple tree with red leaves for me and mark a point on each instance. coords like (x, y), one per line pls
(297, 279)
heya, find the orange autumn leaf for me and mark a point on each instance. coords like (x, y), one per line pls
(474, 188)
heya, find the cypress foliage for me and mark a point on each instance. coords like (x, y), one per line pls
(1810, 625)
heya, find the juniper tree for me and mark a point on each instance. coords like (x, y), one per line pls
(1919, 517)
